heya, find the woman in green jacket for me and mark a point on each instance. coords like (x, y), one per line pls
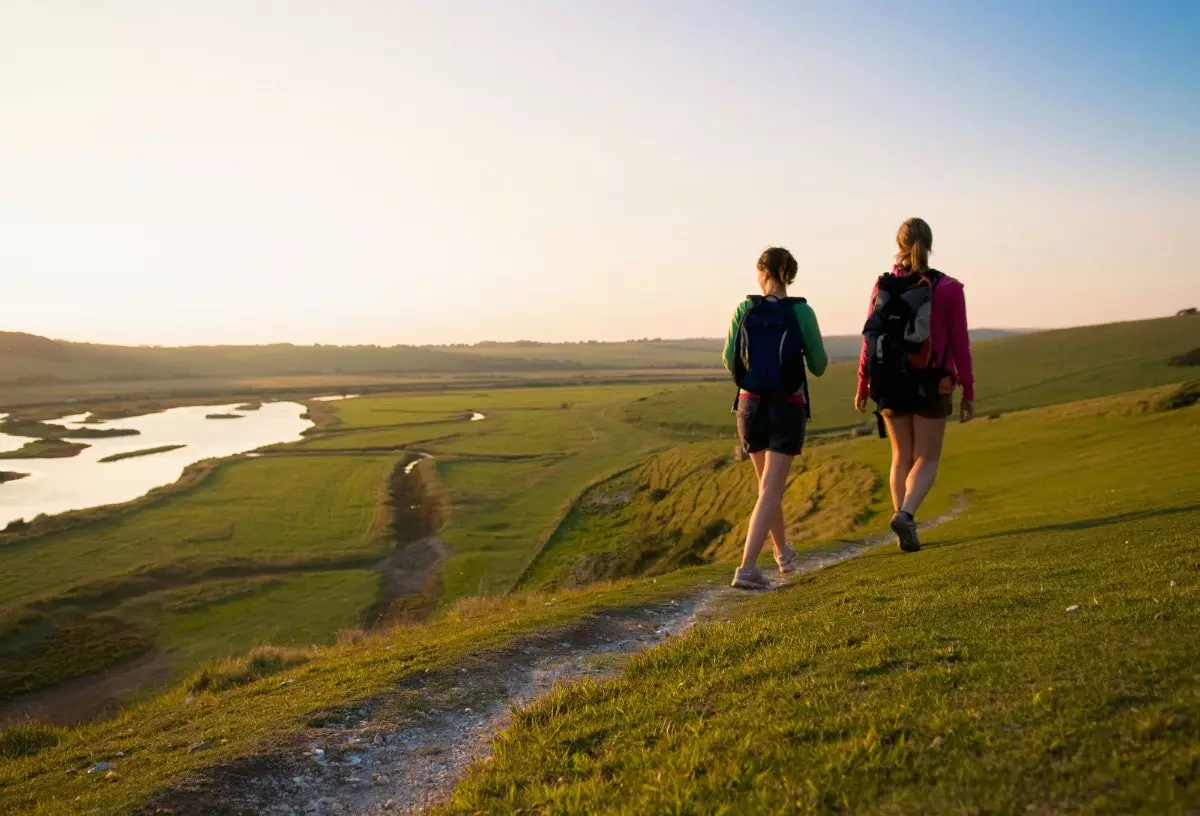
(772, 426)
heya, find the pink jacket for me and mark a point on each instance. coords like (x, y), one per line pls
(948, 333)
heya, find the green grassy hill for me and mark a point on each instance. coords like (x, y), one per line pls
(968, 677)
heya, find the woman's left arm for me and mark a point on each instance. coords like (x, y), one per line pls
(814, 344)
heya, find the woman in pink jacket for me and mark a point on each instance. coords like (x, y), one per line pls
(917, 430)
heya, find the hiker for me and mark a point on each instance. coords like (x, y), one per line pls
(916, 351)
(772, 338)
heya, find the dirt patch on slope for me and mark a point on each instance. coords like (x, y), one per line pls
(89, 698)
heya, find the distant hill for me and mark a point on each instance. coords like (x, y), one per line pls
(29, 360)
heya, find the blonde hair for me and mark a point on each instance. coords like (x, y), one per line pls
(915, 240)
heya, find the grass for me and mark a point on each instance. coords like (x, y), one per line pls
(952, 681)
(117, 457)
(20, 741)
(46, 449)
(514, 506)
(293, 611)
(299, 534)
(261, 704)
(67, 647)
(1012, 373)
(508, 480)
(283, 549)
(688, 506)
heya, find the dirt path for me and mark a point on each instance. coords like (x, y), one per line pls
(94, 697)
(390, 758)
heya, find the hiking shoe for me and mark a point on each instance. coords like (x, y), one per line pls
(788, 561)
(752, 578)
(905, 528)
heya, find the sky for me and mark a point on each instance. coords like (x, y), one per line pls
(385, 172)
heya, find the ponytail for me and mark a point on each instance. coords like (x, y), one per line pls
(915, 242)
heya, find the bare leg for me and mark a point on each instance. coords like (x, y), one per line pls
(927, 450)
(778, 528)
(900, 432)
(769, 506)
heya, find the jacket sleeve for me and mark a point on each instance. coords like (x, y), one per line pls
(960, 342)
(814, 345)
(864, 382)
(731, 338)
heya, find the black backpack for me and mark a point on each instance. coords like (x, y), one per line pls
(768, 357)
(901, 366)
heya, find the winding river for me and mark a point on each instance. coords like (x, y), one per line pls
(83, 481)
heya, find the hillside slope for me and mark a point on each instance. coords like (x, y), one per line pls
(1012, 372)
(965, 678)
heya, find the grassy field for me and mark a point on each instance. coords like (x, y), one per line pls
(553, 487)
(1011, 373)
(953, 680)
(293, 518)
(252, 712)
(282, 549)
(507, 480)
(1037, 656)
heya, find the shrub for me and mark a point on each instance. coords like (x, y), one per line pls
(27, 739)
(262, 662)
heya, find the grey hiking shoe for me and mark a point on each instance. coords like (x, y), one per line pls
(788, 561)
(905, 528)
(752, 578)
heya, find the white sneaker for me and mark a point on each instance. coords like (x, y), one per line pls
(752, 578)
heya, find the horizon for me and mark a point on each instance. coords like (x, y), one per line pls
(457, 173)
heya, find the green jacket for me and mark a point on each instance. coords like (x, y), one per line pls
(814, 347)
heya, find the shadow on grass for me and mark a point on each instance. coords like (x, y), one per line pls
(1080, 524)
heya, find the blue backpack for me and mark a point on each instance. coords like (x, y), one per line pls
(768, 357)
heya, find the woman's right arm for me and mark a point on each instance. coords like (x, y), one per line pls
(864, 381)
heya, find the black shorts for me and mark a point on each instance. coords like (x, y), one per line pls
(773, 425)
(940, 407)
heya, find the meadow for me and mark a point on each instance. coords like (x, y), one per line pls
(565, 489)
(967, 676)
(1037, 656)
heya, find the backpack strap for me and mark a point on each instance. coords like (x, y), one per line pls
(754, 299)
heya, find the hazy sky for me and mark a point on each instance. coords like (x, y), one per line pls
(174, 171)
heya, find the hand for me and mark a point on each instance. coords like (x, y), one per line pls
(860, 404)
(967, 412)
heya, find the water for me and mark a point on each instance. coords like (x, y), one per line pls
(336, 398)
(411, 466)
(80, 482)
(11, 443)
